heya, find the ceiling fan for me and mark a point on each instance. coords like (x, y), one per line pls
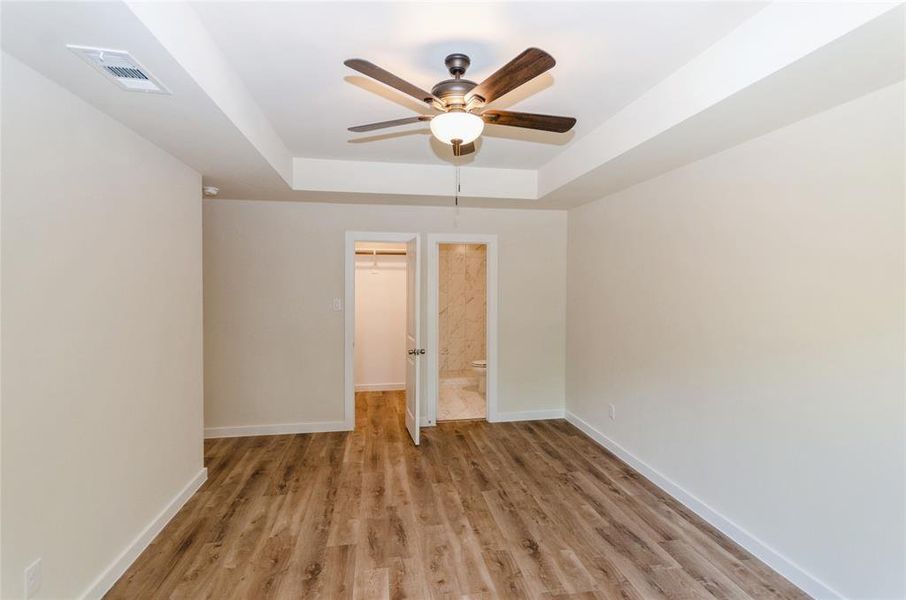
(461, 102)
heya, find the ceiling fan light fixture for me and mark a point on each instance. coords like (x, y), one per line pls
(457, 125)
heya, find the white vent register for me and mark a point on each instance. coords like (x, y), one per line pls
(121, 68)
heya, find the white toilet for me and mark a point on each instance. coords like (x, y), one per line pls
(481, 368)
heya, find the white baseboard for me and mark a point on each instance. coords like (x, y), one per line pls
(122, 562)
(380, 387)
(774, 559)
(529, 415)
(281, 429)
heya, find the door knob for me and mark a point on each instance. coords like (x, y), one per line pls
(412, 352)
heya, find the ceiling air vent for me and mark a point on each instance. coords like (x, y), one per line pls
(121, 68)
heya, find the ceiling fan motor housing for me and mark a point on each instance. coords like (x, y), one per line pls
(449, 89)
(453, 91)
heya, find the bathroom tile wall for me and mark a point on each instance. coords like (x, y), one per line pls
(463, 307)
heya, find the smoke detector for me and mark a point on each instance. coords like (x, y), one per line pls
(121, 68)
(210, 191)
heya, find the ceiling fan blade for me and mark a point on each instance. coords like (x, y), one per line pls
(393, 123)
(463, 149)
(386, 77)
(528, 120)
(525, 67)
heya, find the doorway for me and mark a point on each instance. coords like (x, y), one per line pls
(380, 317)
(462, 327)
(382, 351)
(462, 332)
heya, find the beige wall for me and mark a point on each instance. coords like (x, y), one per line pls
(274, 348)
(101, 326)
(380, 321)
(462, 307)
(744, 315)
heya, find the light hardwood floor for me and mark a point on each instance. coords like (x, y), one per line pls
(508, 510)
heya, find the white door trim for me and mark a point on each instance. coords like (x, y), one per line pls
(349, 309)
(434, 240)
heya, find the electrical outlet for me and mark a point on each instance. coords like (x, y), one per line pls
(337, 304)
(612, 411)
(32, 579)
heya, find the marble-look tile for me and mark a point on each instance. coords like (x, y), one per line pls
(475, 274)
(463, 305)
(460, 400)
(457, 264)
(476, 250)
(475, 312)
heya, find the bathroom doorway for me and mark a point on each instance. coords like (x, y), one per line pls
(462, 332)
(462, 327)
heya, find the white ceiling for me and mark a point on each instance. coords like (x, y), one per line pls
(188, 123)
(290, 56)
(261, 100)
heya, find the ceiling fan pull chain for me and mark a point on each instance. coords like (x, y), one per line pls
(456, 200)
(458, 188)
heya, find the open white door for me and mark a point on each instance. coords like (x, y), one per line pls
(414, 350)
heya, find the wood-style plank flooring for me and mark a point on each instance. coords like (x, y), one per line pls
(508, 510)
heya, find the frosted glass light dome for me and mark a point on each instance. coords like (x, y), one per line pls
(462, 126)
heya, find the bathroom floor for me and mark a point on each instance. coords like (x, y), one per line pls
(460, 400)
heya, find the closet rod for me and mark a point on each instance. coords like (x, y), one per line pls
(381, 252)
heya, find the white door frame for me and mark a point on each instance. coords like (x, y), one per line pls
(349, 359)
(434, 241)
